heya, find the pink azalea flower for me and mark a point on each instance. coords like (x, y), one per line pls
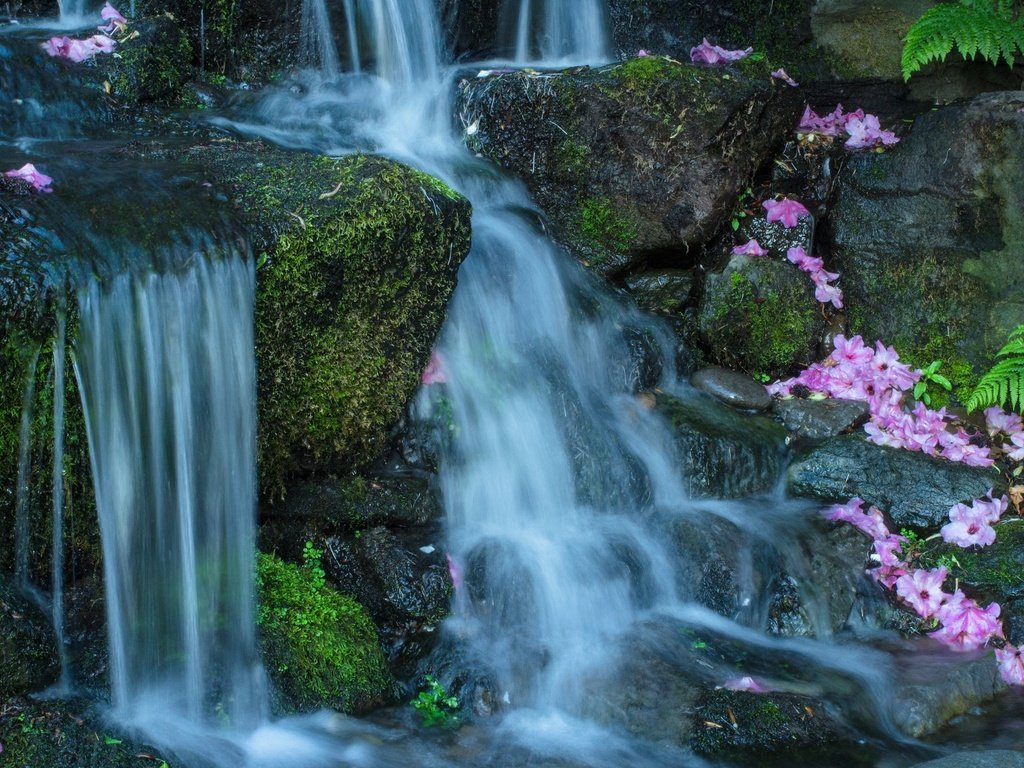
(40, 181)
(454, 571)
(1017, 453)
(114, 18)
(706, 53)
(434, 372)
(851, 350)
(785, 210)
(888, 551)
(997, 420)
(780, 74)
(799, 256)
(967, 626)
(866, 132)
(751, 248)
(744, 684)
(829, 293)
(871, 522)
(887, 575)
(642, 54)
(922, 590)
(821, 276)
(1011, 661)
(968, 533)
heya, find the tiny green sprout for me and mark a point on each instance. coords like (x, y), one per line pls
(435, 706)
(110, 741)
(930, 376)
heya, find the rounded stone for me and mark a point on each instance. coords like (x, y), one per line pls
(732, 388)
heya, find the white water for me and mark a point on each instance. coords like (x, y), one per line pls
(557, 32)
(165, 367)
(318, 37)
(57, 554)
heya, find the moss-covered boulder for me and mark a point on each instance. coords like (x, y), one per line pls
(929, 237)
(319, 646)
(28, 651)
(759, 314)
(358, 257)
(638, 157)
(153, 62)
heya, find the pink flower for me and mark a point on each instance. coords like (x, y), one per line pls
(78, 50)
(922, 590)
(454, 571)
(642, 54)
(114, 18)
(967, 626)
(887, 575)
(780, 74)
(997, 420)
(744, 684)
(751, 248)
(968, 533)
(40, 181)
(706, 53)
(866, 132)
(889, 549)
(1016, 439)
(785, 210)
(829, 293)
(799, 256)
(871, 522)
(434, 372)
(1011, 660)
(851, 350)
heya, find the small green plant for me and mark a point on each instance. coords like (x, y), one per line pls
(993, 28)
(311, 561)
(930, 376)
(1001, 384)
(740, 212)
(435, 706)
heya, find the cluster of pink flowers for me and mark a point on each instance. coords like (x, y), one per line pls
(875, 376)
(78, 50)
(706, 53)
(40, 181)
(1000, 422)
(963, 624)
(815, 267)
(862, 130)
(972, 526)
(785, 210)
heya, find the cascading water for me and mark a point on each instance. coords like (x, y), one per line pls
(557, 32)
(318, 37)
(165, 367)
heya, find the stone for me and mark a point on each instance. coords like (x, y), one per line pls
(732, 388)
(997, 758)
(642, 156)
(914, 490)
(663, 291)
(923, 706)
(28, 650)
(929, 237)
(820, 419)
(722, 453)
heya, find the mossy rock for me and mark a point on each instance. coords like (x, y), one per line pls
(358, 257)
(28, 651)
(760, 315)
(929, 237)
(642, 157)
(153, 64)
(319, 646)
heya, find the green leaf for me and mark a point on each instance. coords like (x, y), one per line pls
(110, 741)
(735, 223)
(942, 381)
(919, 389)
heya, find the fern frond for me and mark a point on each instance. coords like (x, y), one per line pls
(1004, 382)
(992, 29)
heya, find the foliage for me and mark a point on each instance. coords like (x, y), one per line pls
(993, 28)
(435, 706)
(319, 646)
(1002, 382)
(930, 375)
(602, 224)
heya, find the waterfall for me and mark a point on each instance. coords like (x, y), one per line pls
(21, 493)
(165, 367)
(402, 39)
(72, 11)
(557, 32)
(318, 38)
(57, 556)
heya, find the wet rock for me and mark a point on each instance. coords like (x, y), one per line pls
(153, 65)
(915, 490)
(28, 650)
(760, 315)
(820, 419)
(923, 706)
(643, 156)
(776, 238)
(927, 237)
(721, 452)
(732, 388)
(999, 758)
(662, 291)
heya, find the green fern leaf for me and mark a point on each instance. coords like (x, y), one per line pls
(1003, 383)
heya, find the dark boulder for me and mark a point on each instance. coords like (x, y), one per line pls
(820, 419)
(732, 388)
(28, 651)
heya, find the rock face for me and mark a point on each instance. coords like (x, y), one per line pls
(643, 156)
(28, 651)
(929, 237)
(820, 419)
(923, 706)
(989, 759)
(722, 453)
(349, 300)
(732, 388)
(915, 490)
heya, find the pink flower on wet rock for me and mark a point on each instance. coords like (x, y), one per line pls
(113, 17)
(799, 256)
(922, 590)
(867, 132)
(1011, 664)
(79, 50)
(780, 74)
(751, 248)
(642, 54)
(967, 626)
(871, 522)
(706, 53)
(434, 372)
(746, 683)
(40, 181)
(785, 210)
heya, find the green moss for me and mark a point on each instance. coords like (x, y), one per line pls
(320, 647)
(154, 66)
(604, 226)
(570, 159)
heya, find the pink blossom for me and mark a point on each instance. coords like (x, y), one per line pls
(785, 210)
(780, 74)
(887, 575)
(78, 50)
(434, 372)
(968, 533)
(114, 18)
(889, 549)
(40, 181)
(706, 53)
(997, 420)
(1011, 658)
(642, 54)
(871, 522)
(829, 293)
(822, 276)
(851, 350)
(967, 626)
(751, 248)
(1017, 440)
(58, 46)
(866, 132)
(922, 590)
(454, 571)
(744, 684)
(799, 256)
